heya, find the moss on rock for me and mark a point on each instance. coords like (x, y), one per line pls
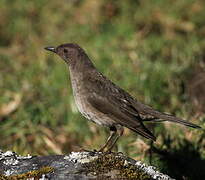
(36, 174)
(114, 166)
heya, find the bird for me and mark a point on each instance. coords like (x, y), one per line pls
(101, 101)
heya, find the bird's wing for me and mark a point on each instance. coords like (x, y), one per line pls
(109, 100)
(119, 115)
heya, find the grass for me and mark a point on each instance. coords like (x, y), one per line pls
(153, 50)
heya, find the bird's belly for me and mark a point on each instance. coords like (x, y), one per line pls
(91, 113)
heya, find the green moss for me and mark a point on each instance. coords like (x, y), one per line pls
(31, 174)
(114, 166)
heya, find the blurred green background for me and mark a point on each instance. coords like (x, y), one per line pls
(153, 49)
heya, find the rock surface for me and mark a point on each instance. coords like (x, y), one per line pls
(76, 165)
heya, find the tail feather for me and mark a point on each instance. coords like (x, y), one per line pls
(167, 117)
(147, 110)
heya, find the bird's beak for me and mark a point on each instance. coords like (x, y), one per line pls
(50, 48)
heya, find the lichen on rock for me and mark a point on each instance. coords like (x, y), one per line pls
(76, 165)
(115, 165)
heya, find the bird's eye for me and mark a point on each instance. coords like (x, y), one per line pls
(65, 50)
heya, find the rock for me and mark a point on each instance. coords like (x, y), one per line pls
(76, 165)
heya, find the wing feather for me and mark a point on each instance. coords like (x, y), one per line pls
(119, 115)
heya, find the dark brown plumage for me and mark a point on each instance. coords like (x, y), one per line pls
(103, 102)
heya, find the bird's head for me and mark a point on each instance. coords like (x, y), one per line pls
(69, 52)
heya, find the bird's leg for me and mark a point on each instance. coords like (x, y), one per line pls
(113, 133)
(120, 131)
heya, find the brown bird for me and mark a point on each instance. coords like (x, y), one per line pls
(103, 102)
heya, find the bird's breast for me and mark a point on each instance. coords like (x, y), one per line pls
(87, 110)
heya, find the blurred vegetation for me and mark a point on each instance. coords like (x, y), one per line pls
(153, 49)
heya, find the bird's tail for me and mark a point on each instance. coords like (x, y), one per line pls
(158, 116)
(167, 117)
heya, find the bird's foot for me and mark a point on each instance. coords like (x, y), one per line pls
(105, 151)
